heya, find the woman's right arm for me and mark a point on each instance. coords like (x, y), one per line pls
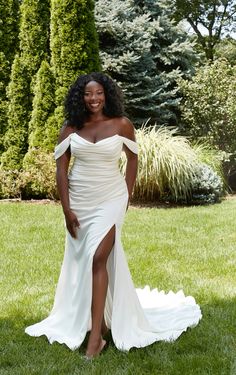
(62, 164)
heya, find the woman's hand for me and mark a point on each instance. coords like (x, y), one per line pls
(72, 222)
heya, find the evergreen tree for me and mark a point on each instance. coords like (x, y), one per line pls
(15, 140)
(9, 10)
(43, 106)
(34, 35)
(74, 47)
(146, 53)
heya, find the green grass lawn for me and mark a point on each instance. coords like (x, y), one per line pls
(190, 248)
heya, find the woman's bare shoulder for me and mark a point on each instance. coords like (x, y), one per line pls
(65, 131)
(126, 128)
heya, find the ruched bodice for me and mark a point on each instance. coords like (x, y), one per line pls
(76, 142)
(98, 196)
(95, 175)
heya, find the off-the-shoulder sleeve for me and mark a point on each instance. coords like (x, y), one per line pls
(130, 144)
(61, 148)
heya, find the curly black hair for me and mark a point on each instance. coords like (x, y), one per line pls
(75, 110)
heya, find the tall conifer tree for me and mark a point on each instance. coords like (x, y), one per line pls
(34, 47)
(9, 29)
(43, 106)
(74, 47)
(146, 53)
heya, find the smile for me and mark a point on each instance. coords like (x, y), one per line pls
(94, 104)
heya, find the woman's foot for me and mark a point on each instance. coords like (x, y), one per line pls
(94, 348)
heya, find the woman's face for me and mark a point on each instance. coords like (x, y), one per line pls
(94, 97)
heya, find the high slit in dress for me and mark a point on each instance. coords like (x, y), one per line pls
(98, 196)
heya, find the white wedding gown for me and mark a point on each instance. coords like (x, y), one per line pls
(98, 196)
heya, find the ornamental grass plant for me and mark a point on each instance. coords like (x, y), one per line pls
(168, 164)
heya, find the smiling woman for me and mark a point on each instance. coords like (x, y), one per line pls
(95, 291)
(76, 110)
(94, 97)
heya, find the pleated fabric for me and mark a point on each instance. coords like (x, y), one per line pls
(98, 196)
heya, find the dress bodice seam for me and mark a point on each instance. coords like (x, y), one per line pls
(100, 140)
(94, 143)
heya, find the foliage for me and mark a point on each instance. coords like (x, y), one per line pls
(10, 184)
(39, 179)
(209, 106)
(52, 126)
(34, 33)
(36, 179)
(145, 53)
(74, 47)
(226, 49)
(169, 167)
(9, 28)
(189, 248)
(168, 170)
(9, 10)
(16, 137)
(165, 163)
(216, 17)
(207, 186)
(43, 106)
(34, 27)
(36, 91)
(213, 157)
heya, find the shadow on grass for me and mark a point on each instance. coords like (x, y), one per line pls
(207, 349)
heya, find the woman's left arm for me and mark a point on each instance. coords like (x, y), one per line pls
(132, 158)
(131, 170)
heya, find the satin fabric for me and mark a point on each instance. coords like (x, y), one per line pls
(98, 196)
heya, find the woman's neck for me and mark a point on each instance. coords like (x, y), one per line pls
(96, 117)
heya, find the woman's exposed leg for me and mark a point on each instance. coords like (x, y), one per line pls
(104, 327)
(100, 283)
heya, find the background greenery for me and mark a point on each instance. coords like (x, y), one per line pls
(177, 248)
(57, 42)
(169, 168)
(209, 107)
(142, 48)
(169, 76)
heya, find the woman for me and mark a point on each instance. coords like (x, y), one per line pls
(95, 290)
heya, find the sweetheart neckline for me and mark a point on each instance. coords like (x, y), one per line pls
(94, 143)
(63, 145)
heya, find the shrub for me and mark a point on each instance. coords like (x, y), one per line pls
(169, 166)
(207, 186)
(37, 179)
(209, 106)
(10, 184)
(212, 157)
